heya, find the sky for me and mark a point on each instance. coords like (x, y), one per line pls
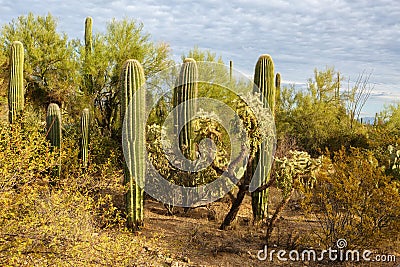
(354, 36)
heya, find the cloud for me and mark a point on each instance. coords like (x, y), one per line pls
(353, 36)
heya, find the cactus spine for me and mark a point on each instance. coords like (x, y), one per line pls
(264, 81)
(16, 84)
(133, 104)
(85, 137)
(53, 125)
(88, 53)
(185, 90)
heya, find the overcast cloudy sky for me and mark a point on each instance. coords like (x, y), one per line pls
(352, 36)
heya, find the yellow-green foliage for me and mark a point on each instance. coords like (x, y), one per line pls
(72, 223)
(25, 156)
(354, 199)
(3, 85)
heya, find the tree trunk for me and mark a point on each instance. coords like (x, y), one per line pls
(235, 207)
(275, 217)
(243, 187)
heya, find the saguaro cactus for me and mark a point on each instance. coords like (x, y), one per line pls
(185, 90)
(85, 137)
(264, 81)
(88, 53)
(133, 103)
(53, 125)
(88, 34)
(277, 91)
(16, 84)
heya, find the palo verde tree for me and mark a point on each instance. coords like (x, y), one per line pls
(122, 40)
(215, 76)
(305, 115)
(50, 70)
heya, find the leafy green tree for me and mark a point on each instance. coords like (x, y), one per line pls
(123, 40)
(214, 77)
(390, 117)
(317, 117)
(325, 86)
(50, 68)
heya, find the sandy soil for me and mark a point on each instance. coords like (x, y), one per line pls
(193, 239)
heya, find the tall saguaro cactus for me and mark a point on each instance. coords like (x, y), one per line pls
(185, 90)
(16, 84)
(85, 120)
(53, 125)
(264, 81)
(133, 104)
(88, 34)
(278, 90)
(88, 53)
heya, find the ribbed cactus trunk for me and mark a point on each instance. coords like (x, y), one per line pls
(85, 121)
(278, 88)
(185, 90)
(53, 125)
(264, 82)
(230, 70)
(16, 84)
(185, 108)
(133, 103)
(88, 53)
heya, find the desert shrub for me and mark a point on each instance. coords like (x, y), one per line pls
(353, 199)
(25, 156)
(69, 223)
(379, 142)
(101, 181)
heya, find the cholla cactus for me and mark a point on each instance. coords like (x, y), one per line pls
(297, 167)
(299, 164)
(394, 160)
